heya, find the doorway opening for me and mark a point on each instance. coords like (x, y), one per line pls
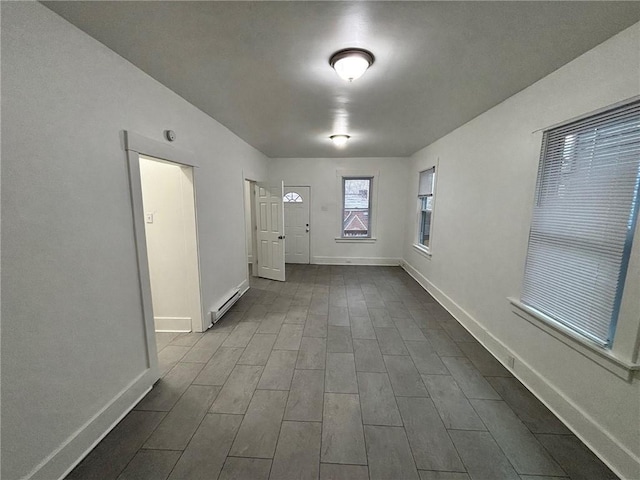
(250, 227)
(172, 245)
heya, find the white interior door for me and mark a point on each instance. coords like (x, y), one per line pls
(270, 232)
(296, 224)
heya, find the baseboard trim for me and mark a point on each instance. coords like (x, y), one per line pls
(371, 261)
(616, 456)
(66, 457)
(172, 324)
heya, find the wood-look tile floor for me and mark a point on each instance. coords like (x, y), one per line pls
(338, 373)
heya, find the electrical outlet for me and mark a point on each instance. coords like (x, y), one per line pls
(148, 217)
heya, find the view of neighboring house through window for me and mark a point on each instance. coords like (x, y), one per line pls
(584, 218)
(356, 211)
(425, 201)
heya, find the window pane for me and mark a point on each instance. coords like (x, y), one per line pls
(583, 221)
(356, 212)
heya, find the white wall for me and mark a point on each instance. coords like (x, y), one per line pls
(72, 331)
(168, 199)
(485, 186)
(325, 222)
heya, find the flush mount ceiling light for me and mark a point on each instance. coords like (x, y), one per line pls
(339, 140)
(351, 63)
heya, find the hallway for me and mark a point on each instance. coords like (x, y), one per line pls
(342, 372)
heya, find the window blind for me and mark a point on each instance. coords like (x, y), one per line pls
(425, 187)
(585, 211)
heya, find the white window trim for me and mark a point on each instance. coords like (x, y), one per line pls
(373, 219)
(604, 357)
(421, 249)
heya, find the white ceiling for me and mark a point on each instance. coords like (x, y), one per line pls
(261, 68)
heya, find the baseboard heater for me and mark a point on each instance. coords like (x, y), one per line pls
(231, 298)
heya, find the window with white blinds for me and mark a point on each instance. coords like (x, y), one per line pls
(585, 212)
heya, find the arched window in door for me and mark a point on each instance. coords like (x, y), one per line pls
(292, 197)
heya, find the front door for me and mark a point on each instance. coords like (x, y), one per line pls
(296, 224)
(270, 231)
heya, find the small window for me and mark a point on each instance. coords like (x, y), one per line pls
(292, 197)
(425, 206)
(356, 207)
(584, 217)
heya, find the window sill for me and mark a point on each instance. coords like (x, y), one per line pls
(605, 358)
(355, 240)
(422, 250)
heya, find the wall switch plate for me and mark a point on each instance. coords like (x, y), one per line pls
(148, 217)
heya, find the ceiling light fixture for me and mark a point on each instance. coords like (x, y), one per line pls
(351, 63)
(339, 140)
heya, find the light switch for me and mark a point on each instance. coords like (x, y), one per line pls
(148, 217)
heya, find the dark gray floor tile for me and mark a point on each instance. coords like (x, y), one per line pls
(216, 371)
(312, 353)
(207, 451)
(271, 323)
(482, 456)
(367, 355)
(575, 458)
(258, 350)
(543, 477)
(390, 341)
(176, 429)
(373, 301)
(380, 317)
(241, 335)
(452, 405)
(361, 327)
(397, 309)
(202, 351)
(297, 314)
(340, 373)
(533, 413)
(259, 430)
(432, 448)
(339, 316)
(405, 379)
(306, 396)
(164, 338)
(278, 371)
(245, 469)
(332, 471)
(337, 299)
(151, 465)
(236, 393)
(170, 388)
(442, 343)
(433, 475)
(358, 310)
(377, 400)
(456, 331)
(485, 362)
(423, 319)
(522, 449)
(411, 333)
(426, 359)
(187, 339)
(289, 337)
(169, 356)
(339, 340)
(298, 452)
(342, 433)
(469, 379)
(113, 453)
(319, 305)
(316, 326)
(389, 454)
(280, 305)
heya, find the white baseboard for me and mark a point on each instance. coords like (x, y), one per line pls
(616, 456)
(243, 287)
(65, 458)
(172, 324)
(372, 261)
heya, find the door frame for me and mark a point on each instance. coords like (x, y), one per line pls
(252, 213)
(136, 145)
(309, 203)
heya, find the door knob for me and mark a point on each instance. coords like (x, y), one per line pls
(281, 237)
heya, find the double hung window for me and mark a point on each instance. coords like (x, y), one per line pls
(425, 206)
(584, 217)
(356, 207)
